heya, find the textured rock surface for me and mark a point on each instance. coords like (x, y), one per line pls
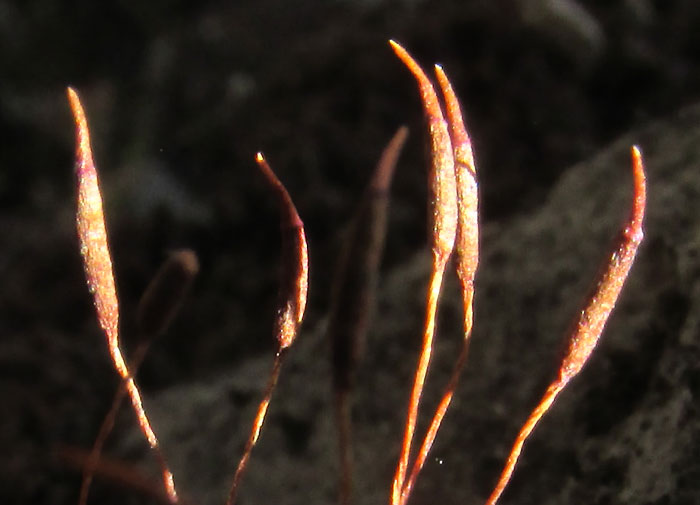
(626, 432)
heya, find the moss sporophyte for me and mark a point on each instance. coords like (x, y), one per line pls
(454, 233)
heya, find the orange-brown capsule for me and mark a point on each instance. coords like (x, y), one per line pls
(441, 179)
(92, 235)
(601, 301)
(294, 277)
(467, 242)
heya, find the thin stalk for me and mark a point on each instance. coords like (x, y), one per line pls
(257, 426)
(344, 422)
(106, 427)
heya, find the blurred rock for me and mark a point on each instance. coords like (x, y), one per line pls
(570, 26)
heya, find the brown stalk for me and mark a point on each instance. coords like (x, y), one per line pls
(589, 326)
(116, 472)
(158, 306)
(353, 299)
(98, 268)
(290, 312)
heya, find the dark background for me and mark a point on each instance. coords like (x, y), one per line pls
(180, 97)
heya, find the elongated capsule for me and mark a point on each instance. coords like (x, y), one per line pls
(294, 277)
(441, 179)
(92, 235)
